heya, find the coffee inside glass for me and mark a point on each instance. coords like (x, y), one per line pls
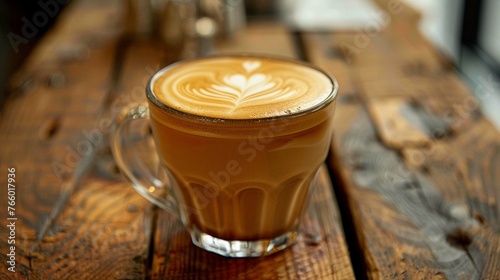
(241, 139)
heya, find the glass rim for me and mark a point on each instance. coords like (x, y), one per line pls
(324, 103)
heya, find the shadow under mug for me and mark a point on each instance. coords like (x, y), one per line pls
(239, 186)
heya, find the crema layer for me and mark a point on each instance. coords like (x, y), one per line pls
(242, 87)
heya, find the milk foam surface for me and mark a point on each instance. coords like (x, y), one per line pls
(242, 87)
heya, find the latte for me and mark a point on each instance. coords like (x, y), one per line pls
(243, 138)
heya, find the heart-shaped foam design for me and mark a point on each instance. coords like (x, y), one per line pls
(242, 87)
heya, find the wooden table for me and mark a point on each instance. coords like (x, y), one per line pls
(411, 189)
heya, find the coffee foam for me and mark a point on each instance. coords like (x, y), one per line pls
(242, 87)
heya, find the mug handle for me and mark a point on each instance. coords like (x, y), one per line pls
(150, 180)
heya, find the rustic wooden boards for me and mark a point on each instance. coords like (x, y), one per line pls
(416, 159)
(414, 163)
(73, 217)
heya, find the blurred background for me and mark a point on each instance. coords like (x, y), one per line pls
(466, 31)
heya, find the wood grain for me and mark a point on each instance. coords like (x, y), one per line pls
(67, 227)
(398, 125)
(105, 224)
(42, 137)
(419, 199)
(420, 194)
(103, 233)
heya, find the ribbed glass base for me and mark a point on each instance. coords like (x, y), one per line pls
(241, 249)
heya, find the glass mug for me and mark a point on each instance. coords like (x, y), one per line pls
(239, 140)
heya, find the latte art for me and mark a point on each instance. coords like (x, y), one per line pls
(236, 91)
(242, 138)
(242, 87)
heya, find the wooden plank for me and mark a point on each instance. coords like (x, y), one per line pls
(175, 257)
(103, 233)
(42, 135)
(105, 224)
(465, 169)
(404, 221)
(426, 208)
(403, 47)
(51, 129)
(398, 125)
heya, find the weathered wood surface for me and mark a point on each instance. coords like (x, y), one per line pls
(76, 219)
(417, 161)
(42, 128)
(414, 163)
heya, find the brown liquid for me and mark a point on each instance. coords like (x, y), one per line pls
(242, 180)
